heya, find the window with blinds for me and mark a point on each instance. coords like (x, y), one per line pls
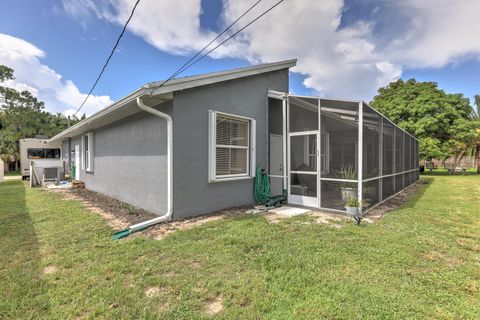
(230, 146)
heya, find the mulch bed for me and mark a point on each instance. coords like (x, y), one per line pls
(120, 209)
(118, 214)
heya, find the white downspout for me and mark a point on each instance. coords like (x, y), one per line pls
(168, 214)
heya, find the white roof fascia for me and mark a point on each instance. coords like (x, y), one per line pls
(100, 114)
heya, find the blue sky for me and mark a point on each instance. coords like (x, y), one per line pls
(344, 49)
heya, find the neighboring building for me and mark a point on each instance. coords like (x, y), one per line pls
(467, 162)
(223, 125)
(43, 152)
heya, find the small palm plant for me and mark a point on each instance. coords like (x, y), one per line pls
(353, 203)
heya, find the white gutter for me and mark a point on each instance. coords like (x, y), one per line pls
(168, 214)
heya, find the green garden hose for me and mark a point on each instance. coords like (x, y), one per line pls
(262, 185)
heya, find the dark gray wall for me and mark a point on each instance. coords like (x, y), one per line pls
(193, 194)
(130, 155)
(130, 161)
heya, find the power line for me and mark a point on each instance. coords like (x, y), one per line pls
(187, 65)
(233, 35)
(109, 57)
(180, 70)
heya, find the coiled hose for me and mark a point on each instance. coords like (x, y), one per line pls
(262, 185)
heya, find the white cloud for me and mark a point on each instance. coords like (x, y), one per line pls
(19, 86)
(336, 62)
(170, 26)
(59, 94)
(354, 61)
(343, 61)
(436, 32)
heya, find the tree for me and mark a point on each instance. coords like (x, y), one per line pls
(22, 115)
(442, 122)
(6, 73)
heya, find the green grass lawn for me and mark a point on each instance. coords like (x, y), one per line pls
(421, 261)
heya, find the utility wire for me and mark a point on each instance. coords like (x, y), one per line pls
(180, 70)
(187, 65)
(109, 57)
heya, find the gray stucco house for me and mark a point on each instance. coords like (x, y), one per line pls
(191, 146)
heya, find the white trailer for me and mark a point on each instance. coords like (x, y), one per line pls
(43, 153)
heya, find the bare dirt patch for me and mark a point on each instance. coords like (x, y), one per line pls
(321, 217)
(214, 307)
(333, 219)
(274, 217)
(50, 270)
(152, 292)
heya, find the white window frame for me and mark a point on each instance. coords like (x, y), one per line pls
(212, 148)
(87, 154)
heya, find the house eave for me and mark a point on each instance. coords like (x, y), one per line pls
(118, 108)
(126, 106)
